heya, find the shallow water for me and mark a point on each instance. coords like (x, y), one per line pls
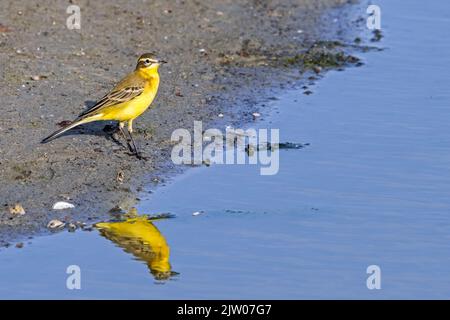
(371, 189)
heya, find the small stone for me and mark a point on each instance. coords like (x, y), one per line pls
(19, 245)
(120, 176)
(256, 115)
(197, 213)
(71, 227)
(116, 210)
(156, 180)
(17, 210)
(317, 69)
(220, 115)
(178, 92)
(377, 35)
(55, 224)
(80, 224)
(352, 59)
(37, 78)
(61, 205)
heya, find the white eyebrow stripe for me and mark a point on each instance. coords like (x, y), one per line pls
(151, 60)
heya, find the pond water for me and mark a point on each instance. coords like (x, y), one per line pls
(372, 188)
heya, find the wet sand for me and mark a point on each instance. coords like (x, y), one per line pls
(223, 58)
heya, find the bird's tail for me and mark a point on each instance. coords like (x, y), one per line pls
(74, 124)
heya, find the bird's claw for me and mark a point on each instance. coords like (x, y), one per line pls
(138, 155)
(141, 157)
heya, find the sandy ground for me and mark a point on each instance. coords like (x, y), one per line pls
(223, 57)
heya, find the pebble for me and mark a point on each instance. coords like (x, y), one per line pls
(80, 224)
(55, 224)
(197, 213)
(17, 210)
(62, 205)
(317, 69)
(37, 78)
(120, 176)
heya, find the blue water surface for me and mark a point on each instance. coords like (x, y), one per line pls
(373, 188)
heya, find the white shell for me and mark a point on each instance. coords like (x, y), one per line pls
(55, 224)
(62, 205)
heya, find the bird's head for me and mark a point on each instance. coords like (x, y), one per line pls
(149, 64)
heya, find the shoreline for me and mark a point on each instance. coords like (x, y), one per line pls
(201, 81)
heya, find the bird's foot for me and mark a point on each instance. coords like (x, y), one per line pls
(138, 155)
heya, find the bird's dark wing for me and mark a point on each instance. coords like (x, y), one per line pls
(116, 96)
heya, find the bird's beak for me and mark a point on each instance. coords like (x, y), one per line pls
(162, 61)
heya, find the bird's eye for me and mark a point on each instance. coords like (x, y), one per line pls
(147, 61)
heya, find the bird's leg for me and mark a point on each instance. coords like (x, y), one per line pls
(134, 144)
(130, 132)
(121, 127)
(130, 126)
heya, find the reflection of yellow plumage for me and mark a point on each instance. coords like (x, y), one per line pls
(141, 238)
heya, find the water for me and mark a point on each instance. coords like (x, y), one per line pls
(371, 189)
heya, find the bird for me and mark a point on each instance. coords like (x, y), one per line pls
(125, 102)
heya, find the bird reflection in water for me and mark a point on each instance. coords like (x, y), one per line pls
(140, 237)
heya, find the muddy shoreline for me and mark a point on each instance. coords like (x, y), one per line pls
(224, 57)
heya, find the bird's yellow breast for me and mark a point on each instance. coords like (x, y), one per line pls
(135, 107)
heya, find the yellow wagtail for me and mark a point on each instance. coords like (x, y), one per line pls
(125, 102)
